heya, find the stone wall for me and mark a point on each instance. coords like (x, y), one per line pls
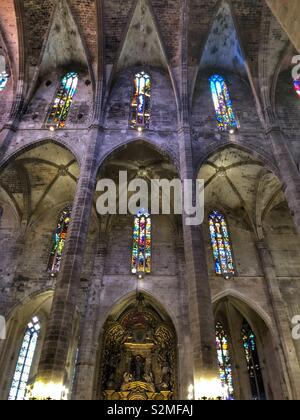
(288, 16)
(184, 133)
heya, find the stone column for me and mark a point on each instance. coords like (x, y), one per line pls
(12, 286)
(202, 323)
(6, 135)
(291, 369)
(89, 340)
(16, 112)
(288, 171)
(185, 352)
(61, 321)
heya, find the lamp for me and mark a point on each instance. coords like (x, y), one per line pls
(50, 391)
(208, 389)
(228, 276)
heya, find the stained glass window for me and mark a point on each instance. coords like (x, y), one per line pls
(297, 86)
(221, 244)
(252, 358)
(26, 355)
(141, 101)
(3, 80)
(62, 103)
(223, 105)
(3, 73)
(224, 359)
(141, 254)
(74, 371)
(59, 238)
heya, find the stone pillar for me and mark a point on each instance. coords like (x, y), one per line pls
(12, 286)
(13, 120)
(18, 285)
(288, 171)
(185, 352)
(291, 369)
(202, 323)
(61, 321)
(6, 135)
(89, 340)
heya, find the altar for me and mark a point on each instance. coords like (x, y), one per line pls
(139, 358)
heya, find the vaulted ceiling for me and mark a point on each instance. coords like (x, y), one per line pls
(42, 178)
(142, 44)
(223, 47)
(64, 44)
(237, 35)
(239, 183)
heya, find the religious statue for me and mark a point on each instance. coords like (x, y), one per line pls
(127, 378)
(111, 370)
(148, 377)
(138, 368)
(166, 375)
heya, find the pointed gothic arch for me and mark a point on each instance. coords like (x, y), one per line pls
(37, 305)
(145, 142)
(25, 359)
(138, 358)
(51, 57)
(224, 172)
(149, 49)
(225, 54)
(35, 144)
(252, 341)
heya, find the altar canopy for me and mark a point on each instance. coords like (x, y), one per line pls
(139, 359)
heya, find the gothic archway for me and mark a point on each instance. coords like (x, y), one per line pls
(252, 346)
(139, 355)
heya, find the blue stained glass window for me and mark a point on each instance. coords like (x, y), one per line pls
(297, 86)
(141, 101)
(3, 73)
(221, 244)
(253, 364)
(141, 252)
(59, 239)
(223, 105)
(3, 80)
(25, 359)
(224, 359)
(62, 103)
